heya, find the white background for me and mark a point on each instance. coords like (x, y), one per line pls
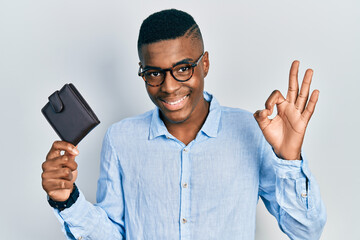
(45, 44)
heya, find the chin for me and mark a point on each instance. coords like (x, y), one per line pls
(175, 118)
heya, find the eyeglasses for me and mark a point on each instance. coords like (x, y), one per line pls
(181, 72)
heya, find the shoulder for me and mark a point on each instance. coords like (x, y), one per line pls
(237, 114)
(239, 120)
(132, 125)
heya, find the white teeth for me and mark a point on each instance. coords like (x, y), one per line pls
(178, 101)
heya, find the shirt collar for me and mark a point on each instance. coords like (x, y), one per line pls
(212, 122)
(210, 127)
(157, 126)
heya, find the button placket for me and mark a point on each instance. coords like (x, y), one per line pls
(185, 193)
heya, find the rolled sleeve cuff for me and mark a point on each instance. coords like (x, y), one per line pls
(293, 174)
(293, 169)
(76, 218)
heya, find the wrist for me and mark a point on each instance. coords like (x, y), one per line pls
(295, 155)
(65, 204)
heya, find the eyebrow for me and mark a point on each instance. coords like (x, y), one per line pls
(185, 60)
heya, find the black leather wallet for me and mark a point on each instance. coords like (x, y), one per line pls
(69, 114)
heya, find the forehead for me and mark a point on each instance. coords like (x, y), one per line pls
(168, 52)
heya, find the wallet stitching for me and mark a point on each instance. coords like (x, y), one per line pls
(89, 111)
(82, 102)
(51, 124)
(59, 100)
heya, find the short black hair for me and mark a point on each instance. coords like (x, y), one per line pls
(168, 24)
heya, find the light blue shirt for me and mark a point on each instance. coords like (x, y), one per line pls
(152, 186)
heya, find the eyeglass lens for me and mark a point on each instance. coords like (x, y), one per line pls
(180, 72)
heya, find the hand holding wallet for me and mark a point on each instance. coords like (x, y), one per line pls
(69, 114)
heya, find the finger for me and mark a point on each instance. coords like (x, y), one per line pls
(71, 164)
(309, 110)
(275, 98)
(293, 82)
(55, 163)
(60, 162)
(304, 91)
(56, 184)
(63, 173)
(59, 146)
(261, 116)
(74, 152)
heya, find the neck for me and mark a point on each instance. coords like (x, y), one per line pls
(186, 131)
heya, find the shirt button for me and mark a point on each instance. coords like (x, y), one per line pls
(185, 150)
(184, 221)
(304, 195)
(185, 185)
(79, 238)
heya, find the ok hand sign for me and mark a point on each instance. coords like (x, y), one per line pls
(285, 132)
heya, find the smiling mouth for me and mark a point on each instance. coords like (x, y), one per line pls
(176, 102)
(175, 105)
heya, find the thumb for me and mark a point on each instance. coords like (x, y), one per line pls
(75, 174)
(261, 117)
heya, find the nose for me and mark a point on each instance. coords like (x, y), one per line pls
(170, 84)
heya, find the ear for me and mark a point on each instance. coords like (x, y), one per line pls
(206, 63)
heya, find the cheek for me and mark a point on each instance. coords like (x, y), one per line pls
(197, 92)
(151, 93)
(198, 85)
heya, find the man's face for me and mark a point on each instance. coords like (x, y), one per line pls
(177, 101)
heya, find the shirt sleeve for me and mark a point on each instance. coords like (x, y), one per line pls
(291, 194)
(104, 220)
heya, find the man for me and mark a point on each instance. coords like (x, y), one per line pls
(192, 169)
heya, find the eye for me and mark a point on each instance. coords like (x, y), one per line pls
(152, 73)
(184, 69)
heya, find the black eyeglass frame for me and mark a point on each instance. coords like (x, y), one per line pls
(141, 71)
